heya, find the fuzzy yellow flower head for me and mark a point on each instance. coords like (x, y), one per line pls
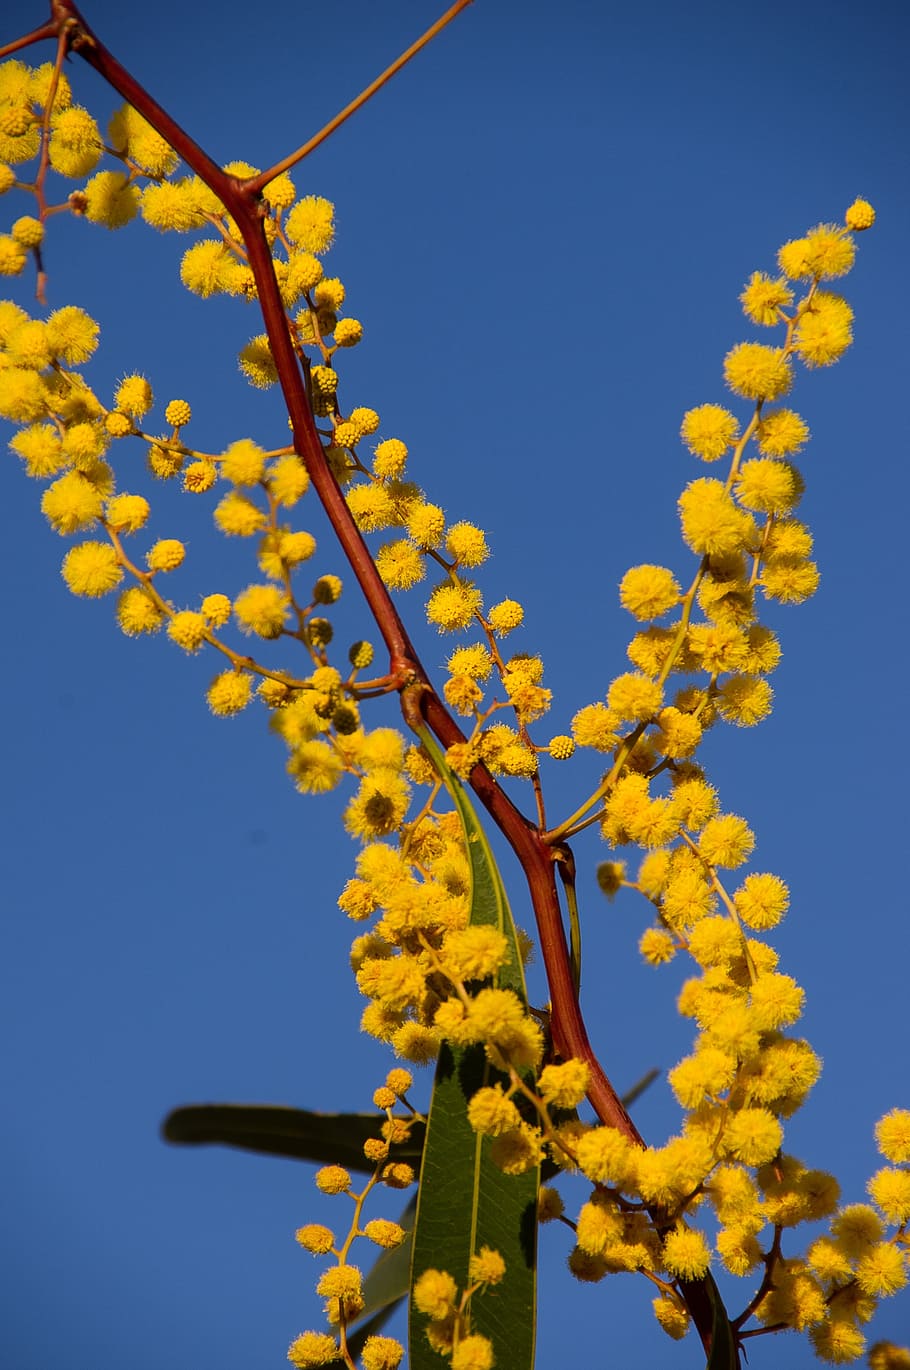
(505, 617)
(243, 462)
(165, 555)
(466, 544)
(763, 298)
(709, 431)
(757, 372)
(315, 1238)
(824, 331)
(435, 1293)
(137, 612)
(381, 1353)
(649, 591)
(781, 433)
(229, 693)
(565, 1085)
(859, 216)
(262, 609)
(134, 396)
(711, 522)
(452, 606)
(826, 252)
(892, 1135)
(188, 630)
(91, 569)
(312, 1349)
(310, 225)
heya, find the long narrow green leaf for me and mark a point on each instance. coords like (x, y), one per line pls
(327, 1138)
(464, 1201)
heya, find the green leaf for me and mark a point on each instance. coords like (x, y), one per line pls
(464, 1201)
(724, 1355)
(326, 1138)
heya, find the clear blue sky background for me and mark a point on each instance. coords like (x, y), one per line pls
(544, 224)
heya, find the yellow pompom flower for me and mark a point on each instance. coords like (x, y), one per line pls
(564, 1085)
(91, 569)
(474, 661)
(505, 617)
(892, 1135)
(137, 612)
(127, 513)
(165, 555)
(288, 480)
(315, 1238)
(634, 697)
(434, 1294)
(596, 726)
(473, 1352)
(178, 413)
(39, 87)
(207, 268)
(889, 1190)
(12, 256)
(789, 579)
(257, 363)
(452, 606)
(243, 462)
(229, 693)
(72, 334)
(217, 609)
(28, 232)
(372, 507)
(111, 199)
(649, 591)
(824, 331)
(686, 1253)
(656, 947)
(188, 630)
(711, 522)
(757, 372)
(384, 1233)
(389, 459)
(606, 1156)
(467, 544)
(72, 502)
(826, 252)
(348, 332)
(561, 747)
(491, 1113)
(310, 225)
(767, 486)
(262, 609)
(171, 207)
(744, 700)
(671, 1316)
(761, 901)
(781, 433)
(237, 516)
(709, 431)
(679, 734)
(777, 1001)
(763, 299)
(131, 134)
(726, 841)
(752, 1135)
(381, 1353)
(75, 144)
(426, 524)
(837, 1341)
(133, 396)
(859, 216)
(400, 564)
(313, 1349)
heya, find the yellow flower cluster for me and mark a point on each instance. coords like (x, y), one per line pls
(449, 1332)
(341, 1285)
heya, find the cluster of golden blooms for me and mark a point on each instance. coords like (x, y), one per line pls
(449, 1332)
(429, 975)
(748, 1070)
(341, 1285)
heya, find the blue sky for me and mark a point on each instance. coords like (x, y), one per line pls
(544, 224)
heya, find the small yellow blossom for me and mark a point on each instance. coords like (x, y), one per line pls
(505, 617)
(315, 1238)
(709, 431)
(859, 216)
(564, 1085)
(165, 555)
(91, 569)
(757, 372)
(229, 693)
(763, 299)
(892, 1135)
(312, 1349)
